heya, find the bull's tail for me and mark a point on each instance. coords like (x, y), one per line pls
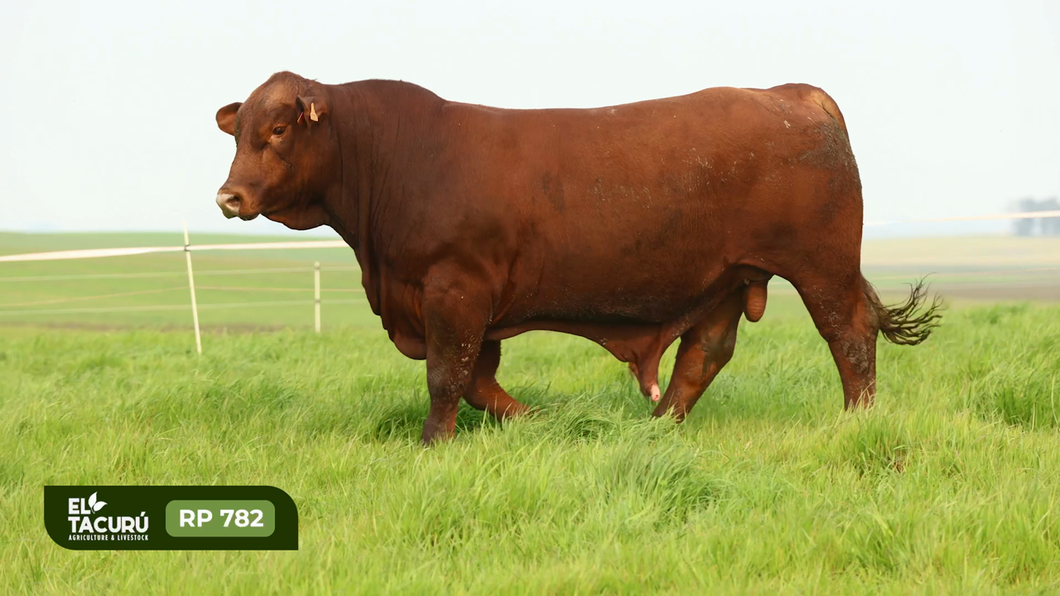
(909, 323)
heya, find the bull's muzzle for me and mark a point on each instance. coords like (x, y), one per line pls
(229, 204)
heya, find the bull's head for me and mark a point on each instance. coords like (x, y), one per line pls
(286, 155)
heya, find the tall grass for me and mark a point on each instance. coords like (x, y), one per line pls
(950, 484)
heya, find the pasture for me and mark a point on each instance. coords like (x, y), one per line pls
(949, 484)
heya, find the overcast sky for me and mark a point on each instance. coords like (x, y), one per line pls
(953, 107)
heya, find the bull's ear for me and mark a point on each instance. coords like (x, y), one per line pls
(313, 109)
(226, 117)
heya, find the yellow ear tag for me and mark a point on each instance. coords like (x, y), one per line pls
(313, 112)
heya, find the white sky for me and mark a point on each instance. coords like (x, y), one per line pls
(953, 107)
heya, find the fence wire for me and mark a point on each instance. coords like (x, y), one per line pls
(1025, 278)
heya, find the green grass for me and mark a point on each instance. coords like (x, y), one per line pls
(948, 485)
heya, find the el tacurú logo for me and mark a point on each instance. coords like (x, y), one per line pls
(86, 525)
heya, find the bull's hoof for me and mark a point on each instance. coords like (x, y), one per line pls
(515, 410)
(433, 436)
(676, 412)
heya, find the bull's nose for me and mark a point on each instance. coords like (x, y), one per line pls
(229, 204)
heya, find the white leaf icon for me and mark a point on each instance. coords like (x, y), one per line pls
(95, 505)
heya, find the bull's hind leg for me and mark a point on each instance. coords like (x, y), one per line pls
(704, 350)
(846, 318)
(483, 392)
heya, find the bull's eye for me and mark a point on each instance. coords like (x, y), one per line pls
(279, 130)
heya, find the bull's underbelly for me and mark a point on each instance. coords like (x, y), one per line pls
(654, 296)
(632, 327)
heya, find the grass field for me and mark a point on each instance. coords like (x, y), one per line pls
(949, 485)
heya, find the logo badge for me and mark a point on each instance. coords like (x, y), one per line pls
(171, 518)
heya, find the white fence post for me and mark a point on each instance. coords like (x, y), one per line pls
(316, 293)
(191, 286)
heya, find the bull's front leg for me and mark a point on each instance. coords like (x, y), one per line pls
(455, 323)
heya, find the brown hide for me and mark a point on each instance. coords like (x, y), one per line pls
(627, 225)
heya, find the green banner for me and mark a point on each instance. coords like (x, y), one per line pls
(171, 517)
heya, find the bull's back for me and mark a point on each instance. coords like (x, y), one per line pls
(654, 198)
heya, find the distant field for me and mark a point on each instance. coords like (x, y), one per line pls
(268, 289)
(986, 268)
(235, 289)
(949, 485)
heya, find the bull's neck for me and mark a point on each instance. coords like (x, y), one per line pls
(374, 122)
